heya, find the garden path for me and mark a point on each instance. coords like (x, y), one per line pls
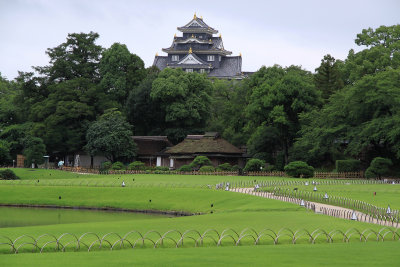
(321, 208)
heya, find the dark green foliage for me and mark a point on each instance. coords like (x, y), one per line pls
(281, 94)
(111, 136)
(136, 165)
(5, 157)
(207, 169)
(185, 168)
(299, 169)
(280, 161)
(34, 150)
(378, 167)
(118, 166)
(106, 165)
(161, 168)
(224, 167)
(199, 162)
(139, 104)
(254, 165)
(328, 78)
(348, 165)
(184, 99)
(120, 72)
(235, 168)
(8, 174)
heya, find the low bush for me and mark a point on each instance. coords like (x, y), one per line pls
(8, 174)
(199, 162)
(161, 168)
(106, 165)
(299, 169)
(136, 165)
(378, 167)
(235, 168)
(207, 169)
(254, 165)
(118, 165)
(224, 167)
(348, 165)
(185, 168)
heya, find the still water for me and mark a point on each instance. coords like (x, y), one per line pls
(17, 217)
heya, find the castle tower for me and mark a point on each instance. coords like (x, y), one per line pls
(198, 50)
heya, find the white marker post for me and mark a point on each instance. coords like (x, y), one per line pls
(315, 189)
(354, 216)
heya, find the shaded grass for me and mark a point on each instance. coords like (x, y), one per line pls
(353, 254)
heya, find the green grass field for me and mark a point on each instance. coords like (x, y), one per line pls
(218, 210)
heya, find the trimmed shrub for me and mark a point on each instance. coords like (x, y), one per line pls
(254, 165)
(224, 167)
(299, 169)
(378, 167)
(8, 174)
(199, 162)
(136, 165)
(118, 166)
(348, 165)
(185, 168)
(235, 168)
(106, 165)
(207, 169)
(161, 168)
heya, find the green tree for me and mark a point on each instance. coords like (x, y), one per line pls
(78, 57)
(328, 76)
(144, 112)
(185, 100)
(120, 72)
(200, 161)
(34, 150)
(5, 157)
(277, 101)
(111, 136)
(379, 166)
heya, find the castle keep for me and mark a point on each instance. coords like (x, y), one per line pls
(198, 50)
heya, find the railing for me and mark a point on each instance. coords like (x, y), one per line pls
(91, 241)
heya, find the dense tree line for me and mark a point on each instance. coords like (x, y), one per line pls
(88, 96)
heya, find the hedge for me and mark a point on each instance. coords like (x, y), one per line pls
(348, 165)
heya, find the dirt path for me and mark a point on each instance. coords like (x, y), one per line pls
(321, 208)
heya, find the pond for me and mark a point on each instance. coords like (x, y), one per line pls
(18, 217)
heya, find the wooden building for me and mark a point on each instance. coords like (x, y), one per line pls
(211, 145)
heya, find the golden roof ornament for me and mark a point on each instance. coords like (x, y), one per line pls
(220, 35)
(201, 17)
(190, 50)
(194, 17)
(210, 40)
(192, 35)
(156, 54)
(240, 54)
(175, 35)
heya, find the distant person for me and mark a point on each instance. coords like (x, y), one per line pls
(60, 164)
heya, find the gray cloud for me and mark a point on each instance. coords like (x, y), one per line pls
(265, 32)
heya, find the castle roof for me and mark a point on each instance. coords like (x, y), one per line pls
(197, 25)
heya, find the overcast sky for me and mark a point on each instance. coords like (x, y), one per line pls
(265, 32)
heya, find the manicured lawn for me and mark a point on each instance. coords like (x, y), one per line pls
(351, 254)
(219, 210)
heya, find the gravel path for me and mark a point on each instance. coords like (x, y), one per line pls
(321, 208)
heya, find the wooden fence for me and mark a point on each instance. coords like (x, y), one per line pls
(317, 175)
(339, 175)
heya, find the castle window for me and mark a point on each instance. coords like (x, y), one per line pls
(220, 58)
(175, 57)
(210, 58)
(189, 70)
(202, 70)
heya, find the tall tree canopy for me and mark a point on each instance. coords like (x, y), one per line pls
(120, 72)
(328, 77)
(277, 100)
(111, 136)
(185, 99)
(363, 116)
